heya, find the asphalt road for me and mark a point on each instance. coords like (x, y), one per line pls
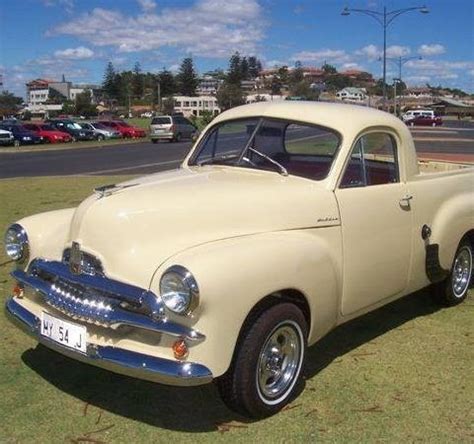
(146, 157)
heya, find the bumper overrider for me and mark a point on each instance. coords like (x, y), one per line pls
(98, 300)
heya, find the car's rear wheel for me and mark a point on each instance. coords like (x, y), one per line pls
(154, 140)
(454, 289)
(16, 143)
(266, 369)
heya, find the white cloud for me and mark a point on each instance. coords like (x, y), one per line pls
(323, 55)
(68, 5)
(431, 50)
(78, 53)
(398, 51)
(372, 52)
(147, 5)
(471, 72)
(353, 65)
(212, 28)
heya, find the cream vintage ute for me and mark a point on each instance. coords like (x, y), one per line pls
(285, 220)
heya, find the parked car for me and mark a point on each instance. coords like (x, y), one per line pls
(125, 129)
(261, 243)
(172, 128)
(425, 121)
(72, 128)
(6, 138)
(48, 132)
(21, 135)
(101, 131)
(413, 113)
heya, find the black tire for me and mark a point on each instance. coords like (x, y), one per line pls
(241, 386)
(100, 137)
(73, 139)
(177, 138)
(454, 289)
(154, 140)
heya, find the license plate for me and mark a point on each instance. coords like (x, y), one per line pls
(64, 333)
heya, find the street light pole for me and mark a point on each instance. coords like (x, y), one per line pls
(384, 19)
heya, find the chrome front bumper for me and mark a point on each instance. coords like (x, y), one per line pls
(115, 359)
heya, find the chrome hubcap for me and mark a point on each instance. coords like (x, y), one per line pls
(462, 270)
(280, 360)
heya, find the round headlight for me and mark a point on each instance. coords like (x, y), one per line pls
(16, 243)
(179, 290)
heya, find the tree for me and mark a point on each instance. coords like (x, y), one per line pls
(187, 77)
(9, 103)
(138, 81)
(303, 89)
(84, 106)
(255, 66)
(283, 75)
(167, 106)
(167, 83)
(234, 75)
(329, 69)
(337, 82)
(229, 95)
(276, 86)
(244, 69)
(109, 83)
(296, 75)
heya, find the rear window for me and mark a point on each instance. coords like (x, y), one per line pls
(161, 121)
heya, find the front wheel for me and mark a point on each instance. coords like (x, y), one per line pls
(100, 137)
(454, 289)
(267, 365)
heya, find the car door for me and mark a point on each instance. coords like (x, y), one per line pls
(376, 223)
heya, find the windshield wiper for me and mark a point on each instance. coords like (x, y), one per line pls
(281, 169)
(217, 159)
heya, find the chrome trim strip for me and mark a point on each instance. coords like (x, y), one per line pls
(109, 315)
(143, 366)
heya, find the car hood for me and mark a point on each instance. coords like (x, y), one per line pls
(135, 226)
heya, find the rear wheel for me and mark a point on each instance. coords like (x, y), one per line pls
(267, 364)
(16, 143)
(454, 289)
(177, 138)
(154, 140)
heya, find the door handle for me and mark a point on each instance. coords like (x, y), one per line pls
(406, 199)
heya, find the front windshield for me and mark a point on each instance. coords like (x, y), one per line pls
(283, 146)
(74, 125)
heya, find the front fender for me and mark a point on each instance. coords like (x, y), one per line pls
(47, 232)
(452, 221)
(235, 274)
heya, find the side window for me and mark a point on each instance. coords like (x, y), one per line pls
(373, 161)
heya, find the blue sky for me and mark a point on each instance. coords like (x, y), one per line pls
(46, 38)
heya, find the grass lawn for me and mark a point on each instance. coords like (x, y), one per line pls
(401, 374)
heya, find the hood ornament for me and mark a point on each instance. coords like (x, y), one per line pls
(107, 190)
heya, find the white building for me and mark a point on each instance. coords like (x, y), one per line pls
(38, 92)
(352, 94)
(195, 105)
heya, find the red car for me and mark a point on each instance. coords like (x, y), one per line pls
(126, 130)
(48, 133)
(425, 121)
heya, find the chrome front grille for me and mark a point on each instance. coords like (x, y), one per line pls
(81, 303)
(96, 299)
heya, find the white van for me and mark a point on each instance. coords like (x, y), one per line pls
(409, 115)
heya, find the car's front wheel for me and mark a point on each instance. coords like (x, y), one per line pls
(100, 137)
(266, 369)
